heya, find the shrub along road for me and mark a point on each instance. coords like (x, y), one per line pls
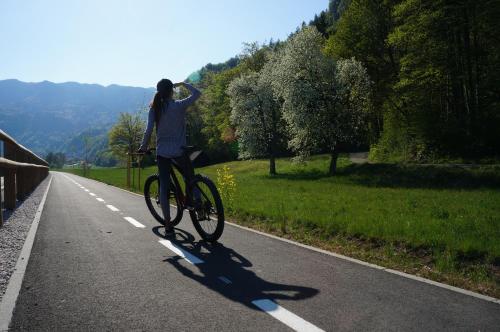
(99, 261)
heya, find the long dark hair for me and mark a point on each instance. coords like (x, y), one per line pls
(164, 91)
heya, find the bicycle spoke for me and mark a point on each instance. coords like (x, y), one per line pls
(207, 212)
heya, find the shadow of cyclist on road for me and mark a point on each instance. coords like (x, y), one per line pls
(221, 262)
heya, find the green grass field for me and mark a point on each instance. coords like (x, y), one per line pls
(449, 216)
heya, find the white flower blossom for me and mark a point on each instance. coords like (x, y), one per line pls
(324, 103)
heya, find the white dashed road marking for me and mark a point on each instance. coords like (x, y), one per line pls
(285, 316)
(288, 318)
(181, 252)
(134, 222)
(112, 208)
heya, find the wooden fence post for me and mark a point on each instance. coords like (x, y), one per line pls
(1, 203)
(21, 183)
(10, 187)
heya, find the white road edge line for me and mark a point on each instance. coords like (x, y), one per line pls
(92, 194)
(353, 260)
(86, 190)
(16, 279)
(286, 317)
(100, 199)
(134, 222)
(112, 208)
(374, 266)
(190, 258)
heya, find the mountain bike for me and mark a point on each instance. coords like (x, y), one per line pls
(207, 212)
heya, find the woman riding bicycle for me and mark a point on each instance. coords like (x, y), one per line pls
(169, 116)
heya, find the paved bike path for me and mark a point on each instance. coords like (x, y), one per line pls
(92, 269)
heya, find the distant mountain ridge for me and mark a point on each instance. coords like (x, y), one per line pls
(46, 116)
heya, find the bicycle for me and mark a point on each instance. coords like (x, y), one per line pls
(207, 215)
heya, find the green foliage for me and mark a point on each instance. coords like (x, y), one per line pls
(326, 21)
(448, 73)
(126, 135)
(226, 185)
(435, 70)
(361, 33)
(324, 103)
(105, 158)
(55, 160)
(256, 112)
(215, 110)
(199, 75)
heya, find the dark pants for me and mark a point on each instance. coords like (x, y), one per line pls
(164, 168)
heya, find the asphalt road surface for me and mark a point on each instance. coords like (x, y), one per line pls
(99, 262)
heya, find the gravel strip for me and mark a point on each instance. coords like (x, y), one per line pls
(14, 231)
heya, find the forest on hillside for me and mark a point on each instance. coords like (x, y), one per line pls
(410, 80)
(435, 72)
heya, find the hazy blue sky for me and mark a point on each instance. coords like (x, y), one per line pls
(135, 42)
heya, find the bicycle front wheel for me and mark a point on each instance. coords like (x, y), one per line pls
(152, 196)
(208, 212)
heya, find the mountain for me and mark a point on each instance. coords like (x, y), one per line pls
(48, 116)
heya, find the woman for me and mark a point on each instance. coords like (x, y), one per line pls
(169, 116)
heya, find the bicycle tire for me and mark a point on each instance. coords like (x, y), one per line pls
(203, 216)
(152, 198)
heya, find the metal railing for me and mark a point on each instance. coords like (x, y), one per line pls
(22, 171)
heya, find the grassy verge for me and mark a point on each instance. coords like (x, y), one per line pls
(442, 223)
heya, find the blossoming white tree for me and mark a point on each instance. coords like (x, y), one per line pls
(256, 115)
(323, 103)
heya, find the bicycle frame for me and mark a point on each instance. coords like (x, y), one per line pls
(182, 197)
(185, 197)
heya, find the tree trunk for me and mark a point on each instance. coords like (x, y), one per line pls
(333, 162)
(272, 165)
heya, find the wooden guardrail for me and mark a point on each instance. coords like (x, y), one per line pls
(22, 171)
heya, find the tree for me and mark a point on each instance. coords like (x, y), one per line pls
(320, 110)
(215, 110)
(355, 102)
(256, 115)
(449, 73)
(126, 135)
(361, 32)
(55, 160)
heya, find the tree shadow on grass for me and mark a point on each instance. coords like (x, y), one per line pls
(420, 176)
(229, 273)
(300, 175)
(405, 176)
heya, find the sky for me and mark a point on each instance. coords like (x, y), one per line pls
(136, 42)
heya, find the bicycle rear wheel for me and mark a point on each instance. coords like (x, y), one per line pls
(152, 196)
(208, 215)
